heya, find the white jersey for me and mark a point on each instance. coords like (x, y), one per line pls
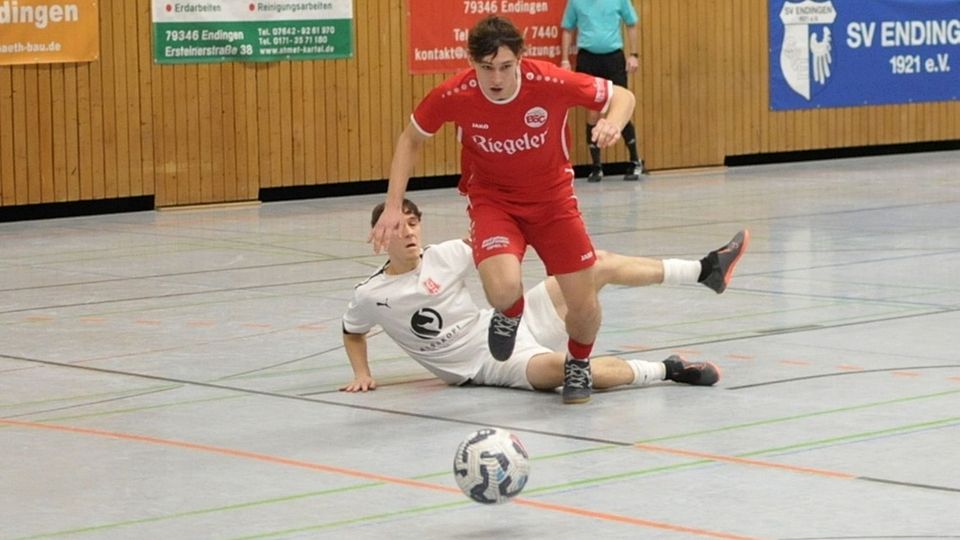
(428, 312)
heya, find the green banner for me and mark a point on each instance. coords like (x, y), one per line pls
(228, 30)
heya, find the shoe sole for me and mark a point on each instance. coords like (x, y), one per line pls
(719, 373)
(576, 401)
(728, 277)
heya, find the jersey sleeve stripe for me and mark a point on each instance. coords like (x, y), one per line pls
(422, 131)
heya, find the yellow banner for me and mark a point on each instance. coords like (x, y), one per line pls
(44, 31)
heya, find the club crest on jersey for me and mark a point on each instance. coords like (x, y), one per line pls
(535, 117)
(431, 286)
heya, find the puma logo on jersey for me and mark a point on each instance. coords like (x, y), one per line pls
(385, 303)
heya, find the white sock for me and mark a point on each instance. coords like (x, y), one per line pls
(677, 271)
(645, 372)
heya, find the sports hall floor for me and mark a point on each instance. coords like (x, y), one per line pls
(174, 374)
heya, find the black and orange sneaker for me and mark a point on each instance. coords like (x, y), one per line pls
(681, 370)
(723, 261)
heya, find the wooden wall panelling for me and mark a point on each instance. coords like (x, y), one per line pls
(7, 133)
(34, 178)
(295, 172)
(308, 131)
(364, 58)
(134, 101)
(119, 178)
(150, 126)
(45, 128)
(18, 85)
(59, 128)
(249, 113)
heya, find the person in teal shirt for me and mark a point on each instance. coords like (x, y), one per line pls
(602, 52)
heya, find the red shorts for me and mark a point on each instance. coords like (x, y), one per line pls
(555, 230)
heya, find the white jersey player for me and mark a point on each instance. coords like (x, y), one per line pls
(420, 299)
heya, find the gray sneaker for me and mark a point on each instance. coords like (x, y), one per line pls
(502, 335)
(724, 261)
(680, 370)
(577, 381)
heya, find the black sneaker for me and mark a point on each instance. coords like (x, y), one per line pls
(683, 371)
(634, 172)
(577, 381)
(724, 260)
(502, 335)
(596, 175)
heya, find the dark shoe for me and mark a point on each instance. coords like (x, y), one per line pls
(596, 175)
(502, 335)
(696, 373)
(634, 172)
(577, 381)
(724, 260)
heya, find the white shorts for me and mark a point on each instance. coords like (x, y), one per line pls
(540, 331)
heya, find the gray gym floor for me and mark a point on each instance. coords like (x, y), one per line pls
(174, 374)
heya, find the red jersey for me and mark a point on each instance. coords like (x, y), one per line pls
(516, 150)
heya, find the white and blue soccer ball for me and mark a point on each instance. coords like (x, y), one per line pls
(491, 466)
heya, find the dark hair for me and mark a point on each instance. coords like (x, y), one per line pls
(408, 208)
(488, 35)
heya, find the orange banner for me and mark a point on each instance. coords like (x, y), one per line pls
(438, 29)
(44, 32)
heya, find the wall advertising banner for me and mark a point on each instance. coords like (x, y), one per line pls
(204, 31)
(438, 29)
(43, 32)
(846, 53)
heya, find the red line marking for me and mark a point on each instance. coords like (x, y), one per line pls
(739, 357)
(150, 322)
(244, 454)
(795, 362)
(746, 461)
(256, 325)
(905, 374)
(849, 367)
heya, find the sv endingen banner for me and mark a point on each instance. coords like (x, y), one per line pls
(844, 53)
(202, 31)
(43, 32)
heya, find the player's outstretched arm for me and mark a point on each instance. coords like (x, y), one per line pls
(401, 168)
(607, 130)
(356, 347)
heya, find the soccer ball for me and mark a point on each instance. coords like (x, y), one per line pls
(491, 466)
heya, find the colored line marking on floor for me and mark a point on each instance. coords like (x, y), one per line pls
(343, 471)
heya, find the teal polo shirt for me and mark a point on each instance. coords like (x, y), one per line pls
(597, 23)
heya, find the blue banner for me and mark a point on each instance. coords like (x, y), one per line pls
(848, 53)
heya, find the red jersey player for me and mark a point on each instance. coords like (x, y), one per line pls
(511, 118)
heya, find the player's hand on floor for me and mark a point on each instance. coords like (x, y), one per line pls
(360, 384)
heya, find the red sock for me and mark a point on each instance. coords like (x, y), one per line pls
(515, 310)
(579, 351)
